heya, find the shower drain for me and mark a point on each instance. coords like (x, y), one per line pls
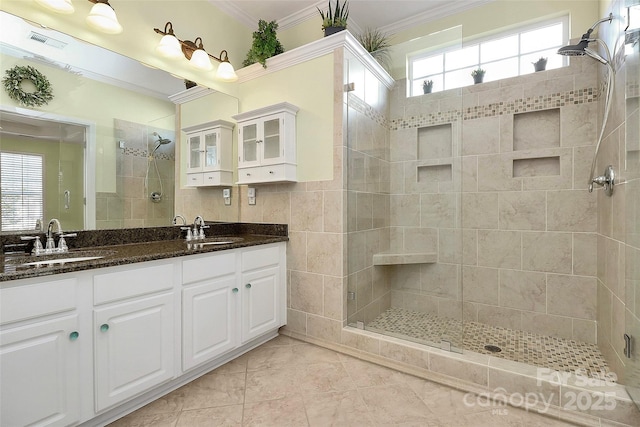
(492, 348)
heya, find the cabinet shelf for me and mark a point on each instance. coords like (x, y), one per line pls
(274, 158)
(209, 154)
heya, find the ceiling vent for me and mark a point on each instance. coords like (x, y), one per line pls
(41, 38)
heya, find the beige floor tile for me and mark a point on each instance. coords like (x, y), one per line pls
(226, 416)
(365, 374)
(307, 353)
(214, 390)
(290, 383)
(235, 366)
(273, 357)
(323, 377)
(277, 413)
(395, 404)
(153, 420)
(271, 384)
(340, 408)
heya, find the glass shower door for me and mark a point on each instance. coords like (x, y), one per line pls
(403, 205)
(632, 220)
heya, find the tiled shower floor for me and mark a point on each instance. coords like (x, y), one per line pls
(519, 346)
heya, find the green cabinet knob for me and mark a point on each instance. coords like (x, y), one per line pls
(104, 327)
(74, 335)
(248, 285)
(234, 290)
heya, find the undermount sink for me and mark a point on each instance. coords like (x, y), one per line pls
(59, 258)
(62, 260)
(222, 240)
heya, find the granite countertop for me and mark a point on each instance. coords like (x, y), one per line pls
(146, 245)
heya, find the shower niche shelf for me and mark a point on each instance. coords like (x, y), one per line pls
(398, 258)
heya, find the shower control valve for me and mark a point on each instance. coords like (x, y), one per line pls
(607, 181)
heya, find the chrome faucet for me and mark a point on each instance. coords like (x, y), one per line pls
(50, 246)
(175, 220)
(199, 233)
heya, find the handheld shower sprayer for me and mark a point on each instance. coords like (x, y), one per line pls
(156, 196)
(581, 49)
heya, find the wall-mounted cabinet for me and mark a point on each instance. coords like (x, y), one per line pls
(267, 144)
(209, 154)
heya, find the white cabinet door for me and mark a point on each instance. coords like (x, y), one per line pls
(209, 320)
(260, 302)
(39, 373)
(134, 348)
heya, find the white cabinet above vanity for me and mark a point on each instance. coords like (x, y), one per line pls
(267, 144)
(209, 154)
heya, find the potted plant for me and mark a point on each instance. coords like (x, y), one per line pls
(335, 20)
(478, 75)
(265, 44)
(427, 85)
(377, 44)
(540, 64)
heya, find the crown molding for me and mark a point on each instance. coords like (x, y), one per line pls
(190, 94)
(433, 14)
(301, 16)
(230, 8)
(343, 39)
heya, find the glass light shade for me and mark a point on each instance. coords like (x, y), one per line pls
(200, 60)
(226, 72)
(103, 18)
(169, 47)
(60, 6)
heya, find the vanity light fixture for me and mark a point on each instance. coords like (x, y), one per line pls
(172, 47)
(103, 18)
(60, 6)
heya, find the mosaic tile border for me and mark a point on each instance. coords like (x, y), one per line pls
(368, 111)
(520, 105)
(138, 152)
(518, 346)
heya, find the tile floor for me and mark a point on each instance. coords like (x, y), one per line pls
(526, 347)
(286, 382)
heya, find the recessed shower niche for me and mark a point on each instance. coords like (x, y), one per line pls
(435, 143)
(536, 129)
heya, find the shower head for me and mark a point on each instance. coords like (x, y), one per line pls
(582, 48)
(161, 140)
(574, 49)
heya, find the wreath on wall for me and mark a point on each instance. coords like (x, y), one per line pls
(13, 85)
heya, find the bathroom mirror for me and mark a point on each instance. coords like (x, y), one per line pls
(105, 148)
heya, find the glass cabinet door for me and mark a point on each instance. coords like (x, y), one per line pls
(194, 152)
(210, 150)
(272, 139)
(249, 143)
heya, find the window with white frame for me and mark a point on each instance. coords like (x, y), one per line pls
(504, 55)
(21, 190)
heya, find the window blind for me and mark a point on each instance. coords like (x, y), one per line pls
(21, 187)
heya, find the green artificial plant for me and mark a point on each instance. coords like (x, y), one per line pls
(265, 44)
(377, 44)
(336, 17)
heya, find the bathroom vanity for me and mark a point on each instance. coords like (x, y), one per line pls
(89, 341)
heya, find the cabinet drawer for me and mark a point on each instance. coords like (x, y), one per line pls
(131, 283)
(38, 299)
(194, 179)
(259, 258)
(250, 175)
(207, 267)
(211, 178)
